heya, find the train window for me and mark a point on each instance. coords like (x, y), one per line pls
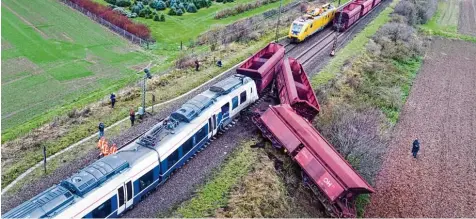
(129, 190)
(242, 97)
(225, 108)
(202, 133)
(146, 180)
(234, 101)
(120, 193)
(103, 210)
(173, 158)
(188, 145)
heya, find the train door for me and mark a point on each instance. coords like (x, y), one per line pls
(212, 125)
(124, 197)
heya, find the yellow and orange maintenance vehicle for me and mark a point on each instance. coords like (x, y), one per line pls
(311, 22)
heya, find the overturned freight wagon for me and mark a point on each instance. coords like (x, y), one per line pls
(325, 171)
(263, 65)
(294, 88)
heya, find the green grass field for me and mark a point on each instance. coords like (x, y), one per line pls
(53, 55)
(189, 26)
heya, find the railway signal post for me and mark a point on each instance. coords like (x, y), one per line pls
(279, 16)
(337, 31)
(144, 84)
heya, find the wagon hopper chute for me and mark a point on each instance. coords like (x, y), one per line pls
(327, 173)
(294, 88)
(263, 65)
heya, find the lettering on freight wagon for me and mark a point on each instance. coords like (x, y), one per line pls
(327, 182)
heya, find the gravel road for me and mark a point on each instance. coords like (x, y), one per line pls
(441, 112)
(467, 18)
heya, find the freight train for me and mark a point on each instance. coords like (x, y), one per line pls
(341, 18)
(116, 183)
(352, 12)
(313, 21)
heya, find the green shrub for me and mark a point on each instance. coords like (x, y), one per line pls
(156, 18)
(172, 11)
(191, 8)
(162, 17)
(123, 3)
(219, 0)
(112, 2)
(161, 5)
(179, 12)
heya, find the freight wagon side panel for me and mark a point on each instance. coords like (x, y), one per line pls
(350, 14)
(322, 150)
(280, 130)
(262, 66)
(367, 7)
(316, 171)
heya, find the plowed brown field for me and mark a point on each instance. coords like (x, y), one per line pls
(467, 18)
(441, 112)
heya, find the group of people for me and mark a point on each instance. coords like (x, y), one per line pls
(105, 149)
(197, 64)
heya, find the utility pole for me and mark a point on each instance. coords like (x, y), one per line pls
(337, 31)
(279, 16)
(146, 76)
(44, 157)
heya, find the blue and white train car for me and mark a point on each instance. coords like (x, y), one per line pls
(114, 184)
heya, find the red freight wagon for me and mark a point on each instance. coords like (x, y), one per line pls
(294, 89)
(262, 66)
(367, 6)
(332, 178)
(352, 12)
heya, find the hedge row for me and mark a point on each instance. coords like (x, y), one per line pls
(241, 8)
(114, 17)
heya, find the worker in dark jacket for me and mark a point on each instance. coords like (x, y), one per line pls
(416, 147)
(197, 65)
(219, 64)
(132, 116)
(101, 130)
(113, 100)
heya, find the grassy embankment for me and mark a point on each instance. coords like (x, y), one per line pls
(445, 22)
(166, 87)
(57, 60)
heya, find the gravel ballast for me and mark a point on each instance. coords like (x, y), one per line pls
(441, 112)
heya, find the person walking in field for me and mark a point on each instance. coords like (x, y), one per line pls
(101, 130)
(416, 147)
(197, 65)
(113, 100)
(132, 117)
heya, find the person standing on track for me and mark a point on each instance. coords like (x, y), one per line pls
(132, 116)
(113, 100)
(416, 147)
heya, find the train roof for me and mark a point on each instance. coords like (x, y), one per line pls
(309, 17)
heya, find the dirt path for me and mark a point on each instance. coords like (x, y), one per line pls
(441, 112)
(467, 18)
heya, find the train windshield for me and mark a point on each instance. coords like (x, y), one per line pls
(297, 27)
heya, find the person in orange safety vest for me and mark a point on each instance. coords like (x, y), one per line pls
(113, 149)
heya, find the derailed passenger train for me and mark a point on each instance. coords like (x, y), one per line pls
(113, 184)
